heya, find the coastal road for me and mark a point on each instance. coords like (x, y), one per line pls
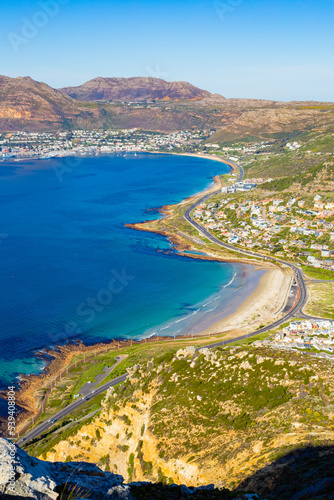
(44, 426)
(297, 308)
(320, 281)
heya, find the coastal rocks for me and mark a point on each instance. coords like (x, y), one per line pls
(190, 352)
(41, 480)
(133, 372)
(107, 397)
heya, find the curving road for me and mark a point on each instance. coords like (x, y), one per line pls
(297, 309)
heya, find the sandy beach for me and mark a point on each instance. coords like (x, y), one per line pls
(261, 307)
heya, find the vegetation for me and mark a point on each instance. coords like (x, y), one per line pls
(321, 303)
(250, 394)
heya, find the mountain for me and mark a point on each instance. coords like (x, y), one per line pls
(134, 89)
(28, 105)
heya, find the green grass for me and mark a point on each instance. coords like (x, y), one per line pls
(89, 371)
(321, 303)
(318, 274)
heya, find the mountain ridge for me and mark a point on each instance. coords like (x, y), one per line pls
(134, 89)
(28, 105)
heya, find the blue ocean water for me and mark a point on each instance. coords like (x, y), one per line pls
(71, 269)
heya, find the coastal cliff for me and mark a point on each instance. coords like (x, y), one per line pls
(228, 417)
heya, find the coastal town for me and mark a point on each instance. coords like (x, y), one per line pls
(297, 228)
(43, 145)
(84, 142)
(312, 336)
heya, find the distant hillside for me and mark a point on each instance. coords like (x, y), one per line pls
(134, 89)
(28, 105)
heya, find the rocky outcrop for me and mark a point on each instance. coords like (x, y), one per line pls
(46, 481)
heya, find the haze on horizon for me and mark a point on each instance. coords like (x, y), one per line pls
(270, 49)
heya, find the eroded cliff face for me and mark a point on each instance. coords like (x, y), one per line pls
(120, 440)
(22, 476)
(209, 417)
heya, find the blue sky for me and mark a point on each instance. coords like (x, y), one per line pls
(282, 50)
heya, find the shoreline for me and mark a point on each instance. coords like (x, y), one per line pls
(258, 307)
(58, 359)
(264, 296)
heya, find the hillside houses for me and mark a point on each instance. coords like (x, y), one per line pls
(276, 225)
(310, 335)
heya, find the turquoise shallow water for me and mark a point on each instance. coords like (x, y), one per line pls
(71, 269)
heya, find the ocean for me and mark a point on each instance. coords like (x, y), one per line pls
(70, 268)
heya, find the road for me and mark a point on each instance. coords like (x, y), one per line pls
(44, 426)
(297, 308)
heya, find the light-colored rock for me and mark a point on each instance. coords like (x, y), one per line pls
(187, 352)
(37, 479)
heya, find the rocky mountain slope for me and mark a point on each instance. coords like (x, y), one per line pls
(29, 105)
(239, 418)
(134, 89)
(22, 477)
(33, 106)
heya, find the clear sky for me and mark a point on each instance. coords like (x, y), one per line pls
(272, 49)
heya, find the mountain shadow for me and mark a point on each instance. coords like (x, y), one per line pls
(305, 473)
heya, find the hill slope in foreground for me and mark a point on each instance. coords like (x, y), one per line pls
(34, 106)
(244, 419)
